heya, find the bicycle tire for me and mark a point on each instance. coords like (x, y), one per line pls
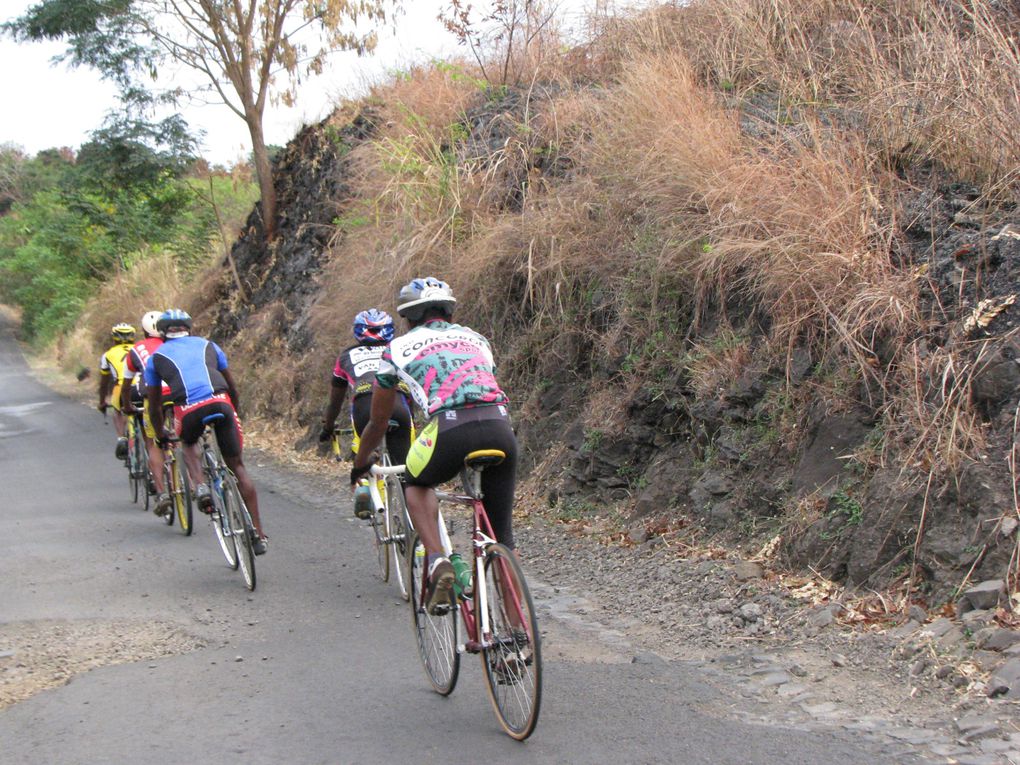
(224, 534)
(136, 459)
(379, 536)
(513, 664)
(397, 526)
(436, 636)
(148, 494)
(242, 529)
(170, 478)
(183, 501)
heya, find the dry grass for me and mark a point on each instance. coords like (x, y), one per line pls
(932, 81)
(154, 286)
(736, 167)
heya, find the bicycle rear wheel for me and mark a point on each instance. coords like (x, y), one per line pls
(396, 532)
(513, 661)
(224, 534)
(170, 481)
(242, 528)
(436, 635)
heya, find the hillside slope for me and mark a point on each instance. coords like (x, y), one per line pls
(748, 267)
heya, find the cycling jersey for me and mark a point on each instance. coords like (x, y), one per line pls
(445, 366)
(356, 366)
(191, 366)
(112, 362)
(134, 365)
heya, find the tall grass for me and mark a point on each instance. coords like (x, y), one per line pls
(718, 163)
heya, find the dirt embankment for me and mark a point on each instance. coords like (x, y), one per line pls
(727, 314)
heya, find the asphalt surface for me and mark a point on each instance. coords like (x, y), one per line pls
(328, 670)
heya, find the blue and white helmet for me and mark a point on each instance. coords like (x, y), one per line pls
(418, 295)
(174, 323)
(373, 326)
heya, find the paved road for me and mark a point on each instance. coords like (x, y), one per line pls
(329, 673)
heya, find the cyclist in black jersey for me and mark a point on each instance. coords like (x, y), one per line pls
(355, 370)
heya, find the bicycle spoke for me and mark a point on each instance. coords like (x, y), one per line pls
(436, 635)
(513, 662)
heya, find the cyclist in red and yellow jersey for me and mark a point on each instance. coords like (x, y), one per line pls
(132, 399)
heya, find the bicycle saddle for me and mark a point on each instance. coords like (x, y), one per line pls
(484, 458)
(210, 417)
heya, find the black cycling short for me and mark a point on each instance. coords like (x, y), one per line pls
(398, 439)
(438, 453)
(192, 420)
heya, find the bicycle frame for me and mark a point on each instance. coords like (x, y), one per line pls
(477, 628)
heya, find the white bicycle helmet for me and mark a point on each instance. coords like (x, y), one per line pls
(149, 323)
(419, 295)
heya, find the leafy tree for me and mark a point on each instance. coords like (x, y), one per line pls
(244, 49)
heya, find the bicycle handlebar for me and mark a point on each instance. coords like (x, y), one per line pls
(391, 470)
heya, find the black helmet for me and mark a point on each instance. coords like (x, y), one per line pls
(174, 323)
(418, 295)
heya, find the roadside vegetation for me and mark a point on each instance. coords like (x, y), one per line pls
(92, 238)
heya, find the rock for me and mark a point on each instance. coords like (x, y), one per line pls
(797, 671)
(825, 615)
(978, 616)
(774, 679)
(918, 667)
(937, 628)
(1005, 681)
(973, 727)
(944, 671)
(638, 533)
(985, 595)
(951, 638)
(1000, 639)
(825, 709)
(1008, 526)
(716, 622)
(839, 660)
(905, 630)
(745, 570)
(750, 612)
(724, 606)
(917, 614)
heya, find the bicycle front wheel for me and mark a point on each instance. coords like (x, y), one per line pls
(183, 502)
(397, 527)
(379, 533)
(436, 635)
(513, 658)
(136, 461)
(243, 529)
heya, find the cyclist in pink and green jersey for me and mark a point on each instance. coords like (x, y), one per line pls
(450, 372)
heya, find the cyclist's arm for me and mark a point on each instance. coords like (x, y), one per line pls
(383, 400)
(232, 390)
(105, 386)
(337, 394)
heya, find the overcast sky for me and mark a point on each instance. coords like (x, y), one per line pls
(49, 105)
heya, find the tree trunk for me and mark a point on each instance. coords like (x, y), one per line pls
(264, 172)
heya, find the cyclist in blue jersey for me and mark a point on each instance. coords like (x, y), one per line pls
(195, 369)
(450, 372)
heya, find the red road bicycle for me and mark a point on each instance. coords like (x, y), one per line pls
(495, 609)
